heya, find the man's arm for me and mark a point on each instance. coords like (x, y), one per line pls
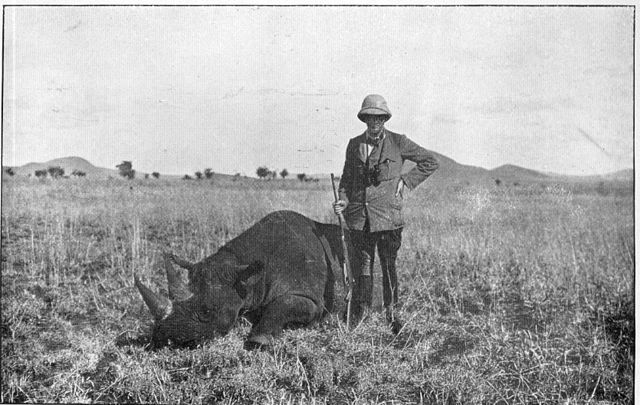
(426, 162)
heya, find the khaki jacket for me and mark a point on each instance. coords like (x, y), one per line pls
(375, 198)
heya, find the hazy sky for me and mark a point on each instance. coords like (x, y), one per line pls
(179, 89)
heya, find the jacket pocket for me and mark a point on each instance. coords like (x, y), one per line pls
(396, 212)
(386, 170)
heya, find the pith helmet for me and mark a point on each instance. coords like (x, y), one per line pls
(374, 104)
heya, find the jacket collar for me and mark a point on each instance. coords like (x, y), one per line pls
(373, 140)
(362, 144)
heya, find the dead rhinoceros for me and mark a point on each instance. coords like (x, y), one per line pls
(278, 273)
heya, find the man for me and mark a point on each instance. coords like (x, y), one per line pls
(371, 196)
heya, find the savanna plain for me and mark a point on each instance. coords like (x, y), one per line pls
(512, 294)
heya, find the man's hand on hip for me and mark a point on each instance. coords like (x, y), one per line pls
(400, 188)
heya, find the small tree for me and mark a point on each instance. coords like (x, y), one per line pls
(126, 169)
(302, 177)
(155, 175)
(263, 172)
(55, 171)
(10, 171)
(186, 177)
(146, 175)
(78, 173)
(41, 173)
(602, 189)
(284, 173)
(198, 175)
(208, 173)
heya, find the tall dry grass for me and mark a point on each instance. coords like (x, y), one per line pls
(511, 295)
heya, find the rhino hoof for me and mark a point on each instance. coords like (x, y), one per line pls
(396, 326)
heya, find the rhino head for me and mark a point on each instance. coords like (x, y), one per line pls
(205, 307)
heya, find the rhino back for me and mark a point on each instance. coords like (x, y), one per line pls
(269, 235)
(290, 246)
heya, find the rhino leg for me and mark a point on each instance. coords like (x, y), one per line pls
(291, 310)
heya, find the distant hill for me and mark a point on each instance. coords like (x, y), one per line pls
(452, 172)
(625, 175)
(517, 172)
(69, 164)
(449, 172)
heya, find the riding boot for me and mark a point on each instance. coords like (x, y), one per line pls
(361, 301)
(388, 250)
(365, 285)
(364, 246)
(390, 293)
(389, 280)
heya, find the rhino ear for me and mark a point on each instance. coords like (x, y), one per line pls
(247, 277)
(178, 289)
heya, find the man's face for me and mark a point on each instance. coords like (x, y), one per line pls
(375, 123)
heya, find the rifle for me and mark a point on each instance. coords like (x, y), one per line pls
(347, 277)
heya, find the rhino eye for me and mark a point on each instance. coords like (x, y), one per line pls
(205, 314)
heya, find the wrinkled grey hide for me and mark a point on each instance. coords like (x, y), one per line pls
(278, 273)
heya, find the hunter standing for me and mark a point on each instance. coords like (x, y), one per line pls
(371, 196)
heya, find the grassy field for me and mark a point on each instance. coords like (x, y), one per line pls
(511, 295)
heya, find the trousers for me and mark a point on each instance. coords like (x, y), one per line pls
(365, 243)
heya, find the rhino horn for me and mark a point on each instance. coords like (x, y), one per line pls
(178, 290)
(159, 306)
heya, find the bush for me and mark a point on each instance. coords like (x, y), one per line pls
(263, 172)
(55, 171)
(126, 169)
